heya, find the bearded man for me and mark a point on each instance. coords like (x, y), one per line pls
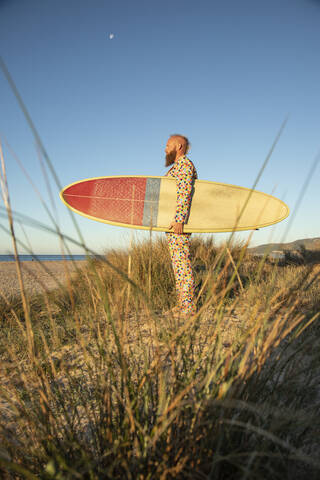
(185, 174)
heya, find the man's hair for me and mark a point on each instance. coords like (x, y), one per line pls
(184, 139)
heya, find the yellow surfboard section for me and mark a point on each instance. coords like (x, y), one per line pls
(215, 207)
(218, 207)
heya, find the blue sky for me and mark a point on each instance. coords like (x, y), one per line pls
(224, 73)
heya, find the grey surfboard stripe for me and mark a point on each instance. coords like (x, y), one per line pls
(151, 202)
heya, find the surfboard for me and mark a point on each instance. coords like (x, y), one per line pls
(149, 202)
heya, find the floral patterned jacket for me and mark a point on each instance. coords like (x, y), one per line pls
(185, 173)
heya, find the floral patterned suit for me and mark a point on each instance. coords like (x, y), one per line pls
(185, 173)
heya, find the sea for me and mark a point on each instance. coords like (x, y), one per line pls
(41, 258)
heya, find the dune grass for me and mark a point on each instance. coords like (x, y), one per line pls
(97, 383)
(113, 388)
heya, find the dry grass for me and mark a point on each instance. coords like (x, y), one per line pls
(98, 384)
(115, 389)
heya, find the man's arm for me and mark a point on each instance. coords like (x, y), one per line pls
(184, 180)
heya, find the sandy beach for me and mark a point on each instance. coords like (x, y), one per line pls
(36, 277)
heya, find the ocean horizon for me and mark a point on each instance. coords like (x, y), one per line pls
(41, 258)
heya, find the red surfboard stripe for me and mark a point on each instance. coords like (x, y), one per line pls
(115, 199)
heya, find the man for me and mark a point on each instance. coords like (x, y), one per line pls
(185, 174)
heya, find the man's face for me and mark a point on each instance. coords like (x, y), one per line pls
(171, 151)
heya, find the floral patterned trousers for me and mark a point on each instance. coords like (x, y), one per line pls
(179, 247)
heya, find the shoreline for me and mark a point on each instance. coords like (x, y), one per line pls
(38, 277)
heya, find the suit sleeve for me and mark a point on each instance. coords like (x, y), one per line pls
(184, 181)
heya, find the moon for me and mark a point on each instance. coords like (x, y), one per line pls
(111, 36)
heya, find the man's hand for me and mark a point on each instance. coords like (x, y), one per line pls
(177, 227)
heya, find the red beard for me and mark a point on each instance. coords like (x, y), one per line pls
(170, 158)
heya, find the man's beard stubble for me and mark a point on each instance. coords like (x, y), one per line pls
(170, 158)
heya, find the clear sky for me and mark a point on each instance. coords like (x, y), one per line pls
(107, 81)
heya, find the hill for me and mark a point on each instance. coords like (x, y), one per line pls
(307, 243)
